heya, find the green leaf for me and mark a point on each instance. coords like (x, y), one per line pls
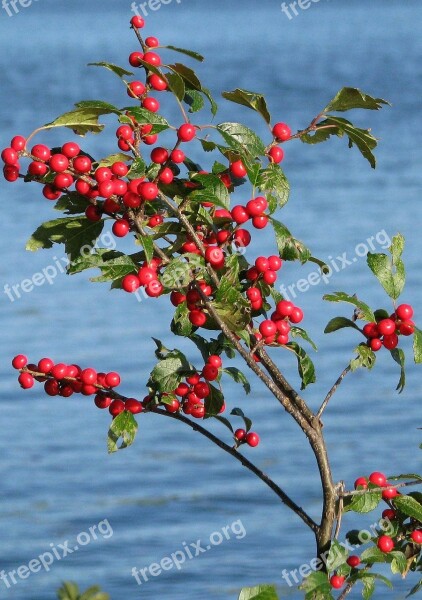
(242, 139)
(100, 105)
(317, 586)
(382, 267)
(417, 345)
(146, 117)
(364, 310)
(94, 593)
(362, 503)
(251, 100)
(398, 562)
(169, 372)
(232, 308)
(177, 274)
(188, 75)
(68, 591)
(409, 506)
(72, 203)
(81, 121)
(123, 426)
(148, 246)
(288, 247)
(407, 477)
(177, 85)
(137, 169)
(273, 180)
(349, 98)
(190, 53)
(373, 555)
(415, 589)
(108, 161)
(214, 106)
(238, 412)
(225, 422)
(362, 138)
(305, 365)
(214, 402)
(180, 324)
(74, 232)
(368, 587)
(299, 332)
(339, 323)
(337, 556)
(365, 359)
(113, 265)
(119, 71)
(238, 377)
(260, 592)
(400, 358)
(195, 101)
(212, 190)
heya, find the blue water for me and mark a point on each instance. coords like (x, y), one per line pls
(172, 486)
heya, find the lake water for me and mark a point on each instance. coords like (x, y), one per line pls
(172, 487)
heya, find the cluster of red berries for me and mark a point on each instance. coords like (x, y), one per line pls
(380, 480)
(254, 209)
(242, 436)
(277, 328)
(386, 331)
(265, 269)
(147, 277)
(193, 299)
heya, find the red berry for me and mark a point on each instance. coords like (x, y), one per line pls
(63, 181)
(276, 154)
(52, 387)
(416, 536)
(260, 222)
(390, 493)
(150, 140)
(201, 389)
(58, 163)
(26, 380)
(135, 59)
(389, 514)
(152, 58)
(240, 434)
(18, 143)
(120, 169)
(148, 190)
(215, 256)
(20, 361)
(135, 89)
(89, 376)
(193, 379)
(133, 406)
(407, 328)
(209, 372)
(174, 407)
(82, 164)
(159, 155)
(37, 168)
(237, 169)
(11, 173)
(132, 200)
(254, 294)
(50, 192)
(404, 312)
(116, 407)
(102, 401)
(215, 361)
(152, 42)
(275, 263)
(154, 288)
(112, 379)
(198, 411)
(59, 371)
(186, 132)
(70, 149)
(146, 275)
(353, 561)
(157, 82)
(45, 365)
(386, 327)
(197, 318)
(385, 543)
(242, 238)
(119, 187)
(361, 482)
(337, 581)
(137, 22)
(256, 206)
(252, 439)
(151, 104)
(155, 220)
(268, 328)
(390, 341)
(370, 330)
(281, 132)
(93, 213)
(262, 264)
(121, 228)
(9, 156)
(270, 277)
(239, 214)
(378, 479)
(41, 152)
(296, 316)
(177, 298)
(124, 132)
(375, 344)
(177, 156)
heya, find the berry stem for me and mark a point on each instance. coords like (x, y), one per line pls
(332, 392)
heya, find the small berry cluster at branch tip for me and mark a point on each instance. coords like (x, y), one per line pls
(386, 331)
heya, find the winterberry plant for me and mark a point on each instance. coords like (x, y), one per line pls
(190, 239)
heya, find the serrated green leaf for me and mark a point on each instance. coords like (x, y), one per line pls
(366, 312)
(407, 476)
(400, 358)
(340, 323)
(348, 98)
(368, 588)
(212, 190)
(214, 402)
(362, 138)
(148, 246)
(188, 75)
(177, 85)
(123, 426)
(305, 365)
(362, 503)
(119, 71)
(146, 117)
(177, 274)
(81, 121)
(213, 103)
(409, 506)
(195, 101)
(238, 412)
(108, 261)
(337, 556)
(94, 593)
(99, 104)
(251, 100)
(108, 161)
(169, 372)
(289, 248)
(316, 583)
(365, 359)
(373, 555)
(238, 377)
(190, 53)
(398, 562)
(417, 346)
(382, 267)
(242, 139)
(138, 169)
(260, 592)
(180, 324)
(273, 180)
(74, 232)
(299, 332)
(72, 203)
(68, 591)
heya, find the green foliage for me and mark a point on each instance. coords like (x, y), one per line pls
(348, 98)
(70, 591)
(390, 272)
(169, 372)
(317, 587)
(124, 426)
(362, 503)
(260, 592)
(83, 120)
(251, 100)
(364, 312)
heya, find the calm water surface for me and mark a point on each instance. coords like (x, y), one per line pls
(172, 487)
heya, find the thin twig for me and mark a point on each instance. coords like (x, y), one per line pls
(332, 392)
